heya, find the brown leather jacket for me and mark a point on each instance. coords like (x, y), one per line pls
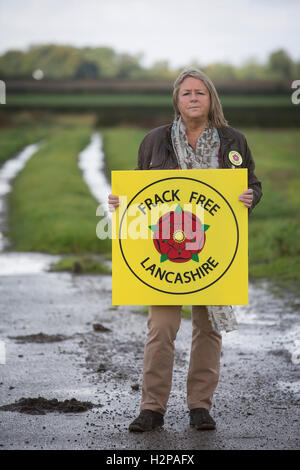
(156, 153)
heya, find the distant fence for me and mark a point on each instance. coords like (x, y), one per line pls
(152, 116)
(150, 113)
(232, 87)
(266, 117)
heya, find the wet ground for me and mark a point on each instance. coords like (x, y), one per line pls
(57, 348)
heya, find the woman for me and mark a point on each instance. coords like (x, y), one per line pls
(199, 137)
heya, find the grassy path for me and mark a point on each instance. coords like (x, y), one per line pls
(274, 226)
(51, 208)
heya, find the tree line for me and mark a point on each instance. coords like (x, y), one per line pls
(69, 62)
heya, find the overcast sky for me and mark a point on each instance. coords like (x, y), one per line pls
(178, 31)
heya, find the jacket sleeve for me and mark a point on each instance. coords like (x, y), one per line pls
(144, 154)
(253, 182)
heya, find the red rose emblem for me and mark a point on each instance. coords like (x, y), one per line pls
(179, 236)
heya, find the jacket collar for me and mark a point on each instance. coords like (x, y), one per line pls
(225, 133)
(168, 138)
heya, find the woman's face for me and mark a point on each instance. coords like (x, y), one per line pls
(193, 100)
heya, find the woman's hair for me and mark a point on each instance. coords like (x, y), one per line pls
(215, 116)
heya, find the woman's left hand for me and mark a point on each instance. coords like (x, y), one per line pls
(247, 197)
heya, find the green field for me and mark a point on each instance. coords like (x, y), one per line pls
(97, 99)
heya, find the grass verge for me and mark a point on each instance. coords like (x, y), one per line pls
(274, 228)
(81, 265)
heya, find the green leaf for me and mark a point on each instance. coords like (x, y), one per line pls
(178, 209)
(205, 227)
(195, 257)
(163, 258)
(154, 228)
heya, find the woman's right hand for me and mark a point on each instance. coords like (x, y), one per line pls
(113, 202)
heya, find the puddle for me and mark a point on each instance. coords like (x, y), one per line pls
(277, 317)
(290, 341)
(13, 263)
(91, 162)
(264, 308)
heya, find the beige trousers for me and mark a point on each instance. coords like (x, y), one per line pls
(204, 366)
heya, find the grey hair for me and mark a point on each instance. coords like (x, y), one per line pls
(215, 116)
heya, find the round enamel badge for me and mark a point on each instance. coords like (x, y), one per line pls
(235, 158)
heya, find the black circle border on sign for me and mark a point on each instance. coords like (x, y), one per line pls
(182, 178)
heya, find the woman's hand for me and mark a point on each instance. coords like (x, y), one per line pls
(113, 202)
(247, 197)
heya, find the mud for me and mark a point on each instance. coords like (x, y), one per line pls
(39, 338)
(99, 327)
(41, 406)
(77, 268)
(283, 353)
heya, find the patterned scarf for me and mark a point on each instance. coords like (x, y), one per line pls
(222, 317)
(207, 147)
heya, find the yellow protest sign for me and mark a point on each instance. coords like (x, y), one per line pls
(180, 237)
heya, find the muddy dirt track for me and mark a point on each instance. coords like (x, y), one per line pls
(64, 341)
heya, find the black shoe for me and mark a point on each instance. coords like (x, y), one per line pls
(147, 421)
(201, 419)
